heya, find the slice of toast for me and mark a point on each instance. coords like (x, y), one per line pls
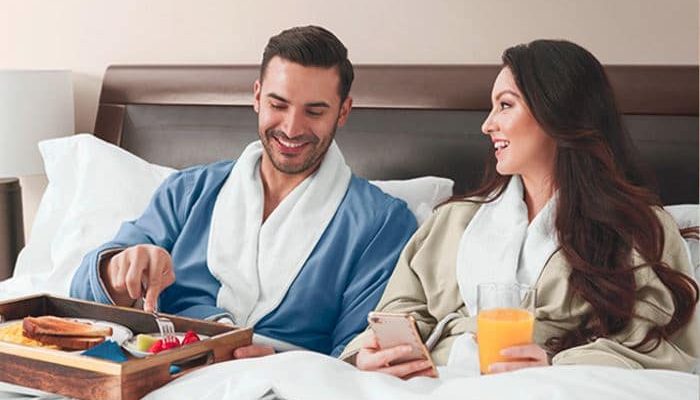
(56, 326)
(69, 342)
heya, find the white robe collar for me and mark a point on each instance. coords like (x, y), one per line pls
(256, 263)
(499, 245)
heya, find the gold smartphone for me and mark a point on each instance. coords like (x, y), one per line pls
(394, 329)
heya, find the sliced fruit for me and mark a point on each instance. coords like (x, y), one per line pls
(171, 345)
(144, 342)
(190, 337)
(157, 347)
(161, 345)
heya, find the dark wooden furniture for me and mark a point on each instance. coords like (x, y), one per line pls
(11, 225)
(407, 121)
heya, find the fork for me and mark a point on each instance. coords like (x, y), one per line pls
(165, 327)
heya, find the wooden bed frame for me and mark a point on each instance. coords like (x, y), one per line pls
(407, 121)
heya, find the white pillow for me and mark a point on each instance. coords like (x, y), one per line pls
(687, 216)
(421, 194)
(94, 186)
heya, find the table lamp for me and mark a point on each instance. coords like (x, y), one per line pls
(34, 105)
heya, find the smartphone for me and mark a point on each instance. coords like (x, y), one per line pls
(393, 329)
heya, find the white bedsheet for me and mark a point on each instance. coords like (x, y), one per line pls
(305, 375)
(297, 375)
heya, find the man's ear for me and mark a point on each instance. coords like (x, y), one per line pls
(256, 95)
(344, 111)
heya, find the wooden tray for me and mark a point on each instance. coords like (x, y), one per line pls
(83, 377)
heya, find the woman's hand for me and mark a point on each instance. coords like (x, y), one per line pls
(526, 356)
(372, 358)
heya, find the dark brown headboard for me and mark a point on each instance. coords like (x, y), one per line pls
(407, 121)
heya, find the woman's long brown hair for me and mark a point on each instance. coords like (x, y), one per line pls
(605, 208)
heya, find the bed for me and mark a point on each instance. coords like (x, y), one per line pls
(408, 121)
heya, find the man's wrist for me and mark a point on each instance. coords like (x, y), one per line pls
(103, 260)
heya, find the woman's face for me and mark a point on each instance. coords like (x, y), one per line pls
(521, 145)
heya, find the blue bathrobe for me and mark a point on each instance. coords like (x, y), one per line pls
(328, 302)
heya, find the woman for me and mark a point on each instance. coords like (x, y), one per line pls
(563, 208)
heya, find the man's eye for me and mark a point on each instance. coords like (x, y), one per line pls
(277, 106)
(314, 113)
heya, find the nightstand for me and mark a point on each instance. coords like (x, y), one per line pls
(11, 225)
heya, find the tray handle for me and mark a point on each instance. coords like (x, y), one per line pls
(191, 363)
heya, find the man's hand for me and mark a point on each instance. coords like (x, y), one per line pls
(372, 358)
(526, 356)
(254, 350)
(128, 272)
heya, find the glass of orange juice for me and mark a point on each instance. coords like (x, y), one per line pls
(505, 318)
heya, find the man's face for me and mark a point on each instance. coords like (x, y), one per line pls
(298, 110)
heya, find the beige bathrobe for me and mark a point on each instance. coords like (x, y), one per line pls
(424, 284)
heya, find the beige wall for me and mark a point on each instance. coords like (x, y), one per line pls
(86, 36)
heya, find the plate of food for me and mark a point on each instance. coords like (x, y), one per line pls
(62, 333)
(144, 345)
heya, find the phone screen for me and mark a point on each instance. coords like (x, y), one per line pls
(399, 329)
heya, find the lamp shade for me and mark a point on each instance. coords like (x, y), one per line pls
(34, 105)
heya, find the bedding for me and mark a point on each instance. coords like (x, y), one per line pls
(305, 375)
(302, 375)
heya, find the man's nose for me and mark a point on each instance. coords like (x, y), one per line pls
(294, 125)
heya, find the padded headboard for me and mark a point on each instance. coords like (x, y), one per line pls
(407, 121)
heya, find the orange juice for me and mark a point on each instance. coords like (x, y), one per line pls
(499, 328)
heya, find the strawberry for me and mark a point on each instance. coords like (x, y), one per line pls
(171, 345)
(161, 345)
(156, 347)
(190, 337)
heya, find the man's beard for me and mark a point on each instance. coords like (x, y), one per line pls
(318, 150)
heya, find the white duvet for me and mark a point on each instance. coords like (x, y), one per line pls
(305, 375)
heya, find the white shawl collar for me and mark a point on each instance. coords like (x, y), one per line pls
(498, 245)
(256, 264)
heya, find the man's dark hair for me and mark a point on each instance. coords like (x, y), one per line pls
(311, 46)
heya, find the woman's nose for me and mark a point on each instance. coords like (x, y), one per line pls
(488, 126)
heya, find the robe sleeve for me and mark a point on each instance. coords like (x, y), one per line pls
(654, 306)
(404, 293)
(372, 271)
(160, 225)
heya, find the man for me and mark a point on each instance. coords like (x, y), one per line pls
(285, 239)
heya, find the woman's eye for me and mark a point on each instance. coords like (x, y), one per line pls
(504, 105)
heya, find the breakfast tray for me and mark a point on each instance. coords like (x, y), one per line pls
(83, 377)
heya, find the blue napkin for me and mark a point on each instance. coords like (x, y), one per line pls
(107, 350)
(110, 350)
